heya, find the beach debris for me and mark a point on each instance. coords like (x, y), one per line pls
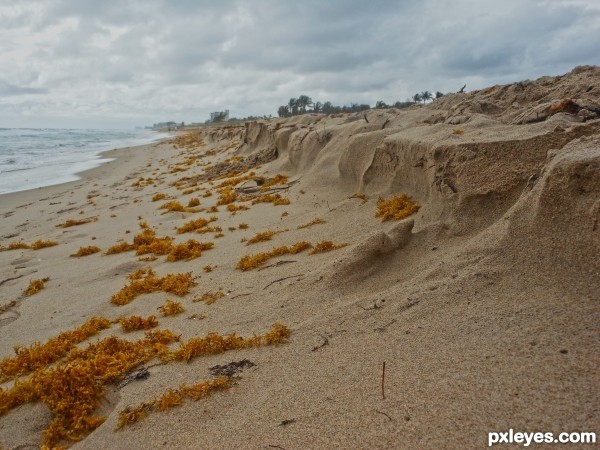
(383, 381)
(253, 261)
(325, 246)
(286, 422)
(170, 399)
(396, 208)
(85, 251)
(209, 297)
(74, 222)
(316, 221)
(230, 369)
(282, 279)
(36, 245)
(323, 344)
(171, 308)
(140, 374)
(35, 286)
(135, 323)
(145, 281)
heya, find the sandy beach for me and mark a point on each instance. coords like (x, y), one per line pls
(477, 312)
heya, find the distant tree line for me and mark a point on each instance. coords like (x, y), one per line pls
(304, 104)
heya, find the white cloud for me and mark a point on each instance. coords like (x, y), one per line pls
(146, 61)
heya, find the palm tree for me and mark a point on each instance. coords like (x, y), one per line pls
(438, 94)
(426, 95)
(304, 102)
(381, 105)
(417, 98)
(293, 106)
(283, 111)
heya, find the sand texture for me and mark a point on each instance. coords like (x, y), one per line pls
(484, 305)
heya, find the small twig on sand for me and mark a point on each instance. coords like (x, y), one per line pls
(281, 279)
(383, 381)
(278, 263)
(241, 295)
(381, 412)
(383, 327)
(325, 342)
(10, 279)
(276, 446)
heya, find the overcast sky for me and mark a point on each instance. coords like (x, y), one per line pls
(121, 63)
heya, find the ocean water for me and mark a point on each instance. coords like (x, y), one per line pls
(36, 157)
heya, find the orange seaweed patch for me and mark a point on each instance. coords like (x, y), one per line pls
(73, 222)
(276, 199)
(171, 308)
(253, 261)
(325, 246)
(85, 251)
(37, 245)
(35, 286)
(39, 355)
(172, 398)
(213, 343)
(396, 208)
(146, 282)
(135, 323)
(194, 225)
(189, 250)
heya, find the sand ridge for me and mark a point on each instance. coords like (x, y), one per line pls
(483, 304)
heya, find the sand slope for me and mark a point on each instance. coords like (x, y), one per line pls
(484, 305)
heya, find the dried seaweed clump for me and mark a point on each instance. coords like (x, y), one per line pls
(73, 222)
(34, 246)
(120, 248)
(316, 221)
(135, 323)
(35, 286)
(159, 196)
(172, 398)
(277, 179)
(325, 246)
(39, 355)
(73, 389)
(276, 199)
(85, 251)
(171, 308)
(396, 208)
(226, 196)
(209, 297)
(189, 250)
(232, 207)
(146, 281)
(172, 206)
(193, 202)
(214, 343)
(194, 225)
(253, 261)
(263, 236)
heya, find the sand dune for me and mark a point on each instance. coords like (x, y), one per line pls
(483, 305)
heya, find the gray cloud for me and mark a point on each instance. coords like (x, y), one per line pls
(145, 61)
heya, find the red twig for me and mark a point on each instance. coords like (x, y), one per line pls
(383, 381)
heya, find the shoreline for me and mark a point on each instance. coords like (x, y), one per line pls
(109, 159)
(97, 158)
